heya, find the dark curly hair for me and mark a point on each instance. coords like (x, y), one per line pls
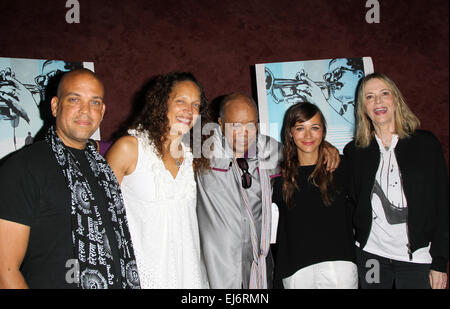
(322, 179)
(354, 63)
(153, 115)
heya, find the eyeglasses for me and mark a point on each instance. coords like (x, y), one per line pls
(246, 177)
(336, 74)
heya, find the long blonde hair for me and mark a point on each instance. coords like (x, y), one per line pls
(405, 121)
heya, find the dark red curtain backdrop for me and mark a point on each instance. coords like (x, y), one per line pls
(130, 41)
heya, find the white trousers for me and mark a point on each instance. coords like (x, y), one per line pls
(325, 275)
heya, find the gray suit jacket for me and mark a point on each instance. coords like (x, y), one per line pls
(223, 222)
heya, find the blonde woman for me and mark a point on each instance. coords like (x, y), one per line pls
(399, 187)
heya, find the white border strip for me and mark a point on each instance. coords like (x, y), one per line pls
(368, 65)
(262, 98)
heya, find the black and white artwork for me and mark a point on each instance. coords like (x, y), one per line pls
(26, 87)
(330, 84)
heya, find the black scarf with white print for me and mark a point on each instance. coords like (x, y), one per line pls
(90, 242)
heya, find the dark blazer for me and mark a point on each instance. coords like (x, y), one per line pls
(425, 183)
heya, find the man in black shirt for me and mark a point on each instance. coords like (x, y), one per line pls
(62, 219)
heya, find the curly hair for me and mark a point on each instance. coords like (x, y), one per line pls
(322, 179)
(354, 63)
(153, 115)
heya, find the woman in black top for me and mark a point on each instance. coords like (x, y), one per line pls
(399, 189)
(315, 243)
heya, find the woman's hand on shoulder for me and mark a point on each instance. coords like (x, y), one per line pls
(332, 157)
(122, 156)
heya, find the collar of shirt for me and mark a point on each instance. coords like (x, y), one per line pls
(394, 141)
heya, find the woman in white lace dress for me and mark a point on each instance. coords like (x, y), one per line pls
(156, 171)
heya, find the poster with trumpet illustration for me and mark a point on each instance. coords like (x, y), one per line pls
(329, 83)
(26, 88)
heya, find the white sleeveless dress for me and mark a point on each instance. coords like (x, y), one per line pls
(162, 219)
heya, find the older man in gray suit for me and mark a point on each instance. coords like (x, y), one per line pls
(234, 199)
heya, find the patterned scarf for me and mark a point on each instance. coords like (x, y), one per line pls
(90, 242)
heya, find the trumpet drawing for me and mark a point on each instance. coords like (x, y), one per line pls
(282, 89)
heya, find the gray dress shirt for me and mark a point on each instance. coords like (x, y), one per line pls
(223, 222)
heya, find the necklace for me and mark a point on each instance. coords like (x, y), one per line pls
(177, 162)
(386, 148)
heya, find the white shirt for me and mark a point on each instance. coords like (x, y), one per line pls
(162, 219)
(389, 234)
